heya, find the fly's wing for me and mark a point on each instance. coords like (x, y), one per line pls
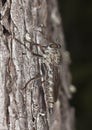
(57, 82)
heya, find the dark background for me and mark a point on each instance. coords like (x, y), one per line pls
(77, 25)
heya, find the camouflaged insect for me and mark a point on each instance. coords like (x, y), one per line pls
(50, 59)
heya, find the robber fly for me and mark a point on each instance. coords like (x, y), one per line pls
(50, 59)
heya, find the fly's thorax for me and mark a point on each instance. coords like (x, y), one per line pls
(52, 54)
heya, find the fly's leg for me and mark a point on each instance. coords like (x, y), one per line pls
(27, 38)
(32, 79)
(31, 47)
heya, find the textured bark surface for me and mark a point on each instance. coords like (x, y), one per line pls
(26, 26)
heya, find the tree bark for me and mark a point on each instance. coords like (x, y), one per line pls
(34, 86)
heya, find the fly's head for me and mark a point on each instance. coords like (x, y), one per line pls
(52, 54)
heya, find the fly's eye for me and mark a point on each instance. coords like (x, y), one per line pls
(53, 45)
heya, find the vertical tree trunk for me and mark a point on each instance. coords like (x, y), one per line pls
(31, 46)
